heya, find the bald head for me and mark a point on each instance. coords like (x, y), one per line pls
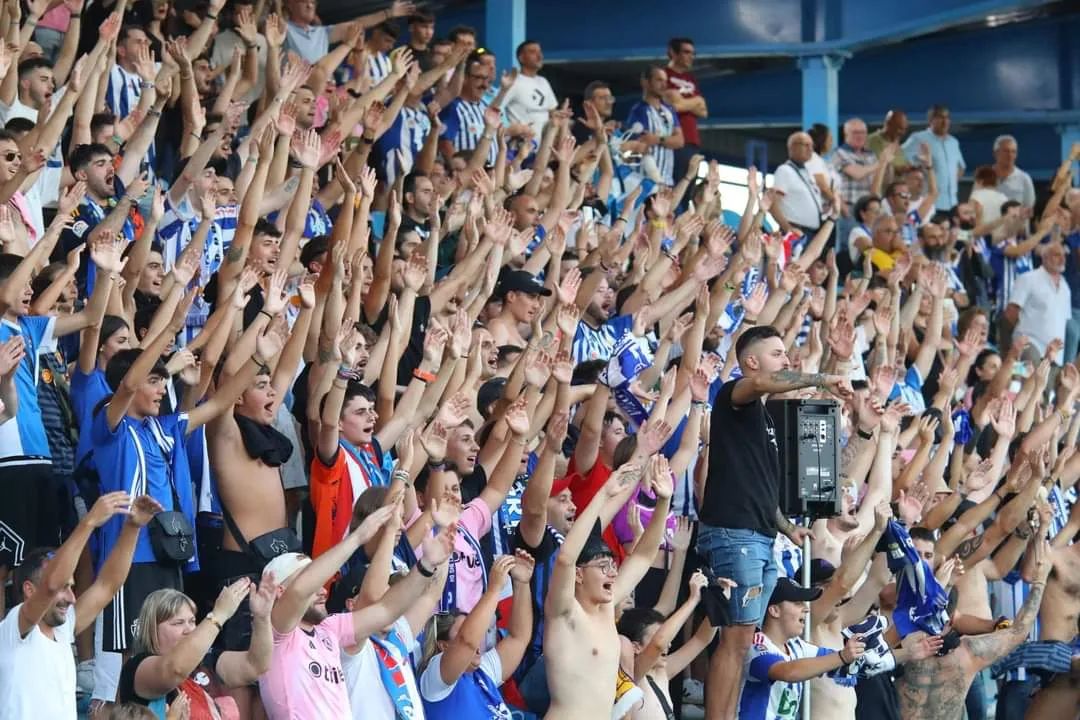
(896, 124)
(800, 147)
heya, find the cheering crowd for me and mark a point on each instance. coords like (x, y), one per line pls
(343, 376)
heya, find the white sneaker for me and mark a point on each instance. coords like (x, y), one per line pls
(693, 692)
(84, 678)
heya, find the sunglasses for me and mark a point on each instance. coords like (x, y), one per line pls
(12, 156)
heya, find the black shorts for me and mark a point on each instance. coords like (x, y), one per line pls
(230, 566)
(120, 617)
(27, 510)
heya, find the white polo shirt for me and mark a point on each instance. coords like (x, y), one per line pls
(802, 201)
(1044, 308)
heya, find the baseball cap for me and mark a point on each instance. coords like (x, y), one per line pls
(520, 281)
(787, 590)
(821, 571)
(559, 485)
(347, 586)
(285, 566)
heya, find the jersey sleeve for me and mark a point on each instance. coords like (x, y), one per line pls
(761, 659)
(637, 115)
(449, 119)
(432, 687)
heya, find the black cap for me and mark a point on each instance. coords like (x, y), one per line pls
(787, 590)
(595, 546)
(821, 571)
(520, 281)
(347, 586)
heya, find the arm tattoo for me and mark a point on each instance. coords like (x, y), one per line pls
(967, 548)
(798, 379)
(291, 184)
(992, 646)
(234, 253)
(785, 526)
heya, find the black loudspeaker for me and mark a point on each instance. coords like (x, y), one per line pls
(808, 439)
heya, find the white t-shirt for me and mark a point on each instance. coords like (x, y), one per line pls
(431, 682)
(802, 201)
(367, 695)
(37, 675)
(529, 100)
(1044, 309)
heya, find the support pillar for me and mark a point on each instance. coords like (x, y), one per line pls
(821, 91)
(504, 30)
(1070, 135)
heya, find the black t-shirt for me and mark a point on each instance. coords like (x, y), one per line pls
(877, 698)
(414, 352)
(743, 486)
(125, 690)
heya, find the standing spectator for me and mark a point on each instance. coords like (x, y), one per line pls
(740, 513)
(987, 194)
(856, 164)
(656, 124)
(684, 95)
(801, 203)
(1072, 271)
(465, 127)
(945, 155)
(892, 132)
(379, 44)
(530, 98)
(1040, 305)
(311, 40)
(1013, 182)
(242, 31)
(421, 32)
(825, 176)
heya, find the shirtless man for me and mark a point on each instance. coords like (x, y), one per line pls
(580, 639)
(935, 688)
(520, 292)
(1058, 623)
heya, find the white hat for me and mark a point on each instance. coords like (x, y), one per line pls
(285, 566)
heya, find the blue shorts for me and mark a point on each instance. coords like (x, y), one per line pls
(747, 558)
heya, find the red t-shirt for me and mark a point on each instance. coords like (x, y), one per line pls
(583, 489)
(687, 86)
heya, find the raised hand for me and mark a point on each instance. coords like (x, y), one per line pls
(660, 476)
(436, 549)
(683, 535)
(455, 411)
(434, 441)
(276, 298)
(517, 417)
(416, 272)
(854, 647)
(374, 522)
(107, 254)
(522, 569)
(12, 352)
(652, 436)
(229, 599)
(261, 597)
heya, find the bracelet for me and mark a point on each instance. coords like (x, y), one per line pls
(658, 223)
(259, 360)
(196, 135)
(214, 620)
(436, 464)
(212, 17)
(623, 220)
(250, 46)
(699, 404)
(153, 113)
(865, 434)
(118, 140)
(841, 654)
(75, 16)
(402, 475)
(749, 321)
(366, 140)
(147, 85)
(423, 375)
(423, 570)
(347, 373)
(263, 312)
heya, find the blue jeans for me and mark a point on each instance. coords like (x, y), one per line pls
(1013, 699)
(747, 558)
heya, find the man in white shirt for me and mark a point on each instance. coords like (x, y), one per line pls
(1041, 305)
(37, 667)
(1013, 183)
(800, 197)
(531, 98)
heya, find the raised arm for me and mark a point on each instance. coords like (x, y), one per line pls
(638, 563)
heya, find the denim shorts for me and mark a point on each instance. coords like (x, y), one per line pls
(747, 558)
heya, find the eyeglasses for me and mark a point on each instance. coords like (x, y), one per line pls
(607, 566)
(12, 156)
(904, 195)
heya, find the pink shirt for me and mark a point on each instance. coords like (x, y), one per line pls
(468, 564)
(56, 19)
(305, 679)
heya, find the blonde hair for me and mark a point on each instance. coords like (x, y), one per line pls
(129, 711)
(159, 606)
(437, 630)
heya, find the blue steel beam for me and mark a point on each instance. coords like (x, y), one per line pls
(504, 30)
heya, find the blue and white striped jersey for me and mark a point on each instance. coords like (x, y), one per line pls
(765, 699)
(410, 129)
(662, 121)
(464, 126)
(1007, 270)
(378, 67)
(121, 97)
(597, 343)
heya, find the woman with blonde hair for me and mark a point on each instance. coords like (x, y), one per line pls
(170, 645)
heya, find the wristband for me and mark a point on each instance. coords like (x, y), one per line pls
(423, 570)
(212, 17)
(259, 360)
(153, 113)
(250, 46)
(699, 404)
(75, 16)
(118, 140)
(213, 620)
(147, 85)
(366, 140)
(436, 464)
(347, 373)
(263, 312)
(623, 220)
(658, 223)
(423, 375)
(865, 434)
